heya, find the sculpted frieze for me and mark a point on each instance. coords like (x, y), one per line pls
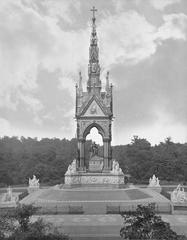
(75, 179)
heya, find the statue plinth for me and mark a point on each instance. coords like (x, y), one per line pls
(95, 164)
(76, 178)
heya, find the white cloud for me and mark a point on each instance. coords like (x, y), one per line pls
(162, 4)
(128, 37)
(174, 27)
(33, 105)
(29, 40)
(61, 8)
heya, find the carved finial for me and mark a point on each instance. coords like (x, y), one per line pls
(80, 76)
(80, 82)
(107, 75)
(107, 82)
(93, 10)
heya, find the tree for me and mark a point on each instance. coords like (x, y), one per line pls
(145, 224)
(25, 229)
(139, 153)
(23, 214)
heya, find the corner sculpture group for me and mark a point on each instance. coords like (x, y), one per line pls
(154, 182)
(72, 168)
(34, 182)
(178, 195)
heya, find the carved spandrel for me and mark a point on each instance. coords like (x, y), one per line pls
(103, 124)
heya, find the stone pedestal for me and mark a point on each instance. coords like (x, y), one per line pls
(94, 179)
(33, 189)
(96, 164)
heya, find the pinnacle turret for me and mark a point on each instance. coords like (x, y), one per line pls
(107, 87)
(80, 84)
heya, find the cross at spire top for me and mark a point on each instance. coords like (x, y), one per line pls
(93, 10)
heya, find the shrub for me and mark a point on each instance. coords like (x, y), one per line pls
(145, 224)
(26, 230)
(23, 195)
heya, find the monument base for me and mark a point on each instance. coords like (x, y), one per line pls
(94, 179)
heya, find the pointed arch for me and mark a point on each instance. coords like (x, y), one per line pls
(92, 125)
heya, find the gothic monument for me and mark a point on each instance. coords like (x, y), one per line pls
(94, 108)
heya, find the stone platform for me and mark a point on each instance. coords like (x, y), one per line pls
(79, 179)
(94, 200)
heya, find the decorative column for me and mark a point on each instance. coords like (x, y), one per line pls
(81, 147)
(106, 151)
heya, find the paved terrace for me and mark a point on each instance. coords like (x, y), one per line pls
(103, 226)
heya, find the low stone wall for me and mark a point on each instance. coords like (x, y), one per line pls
(179, 208)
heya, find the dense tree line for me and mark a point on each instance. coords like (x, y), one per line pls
(48, 159)
(168, 160)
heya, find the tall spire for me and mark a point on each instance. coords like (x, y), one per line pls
(94, 83)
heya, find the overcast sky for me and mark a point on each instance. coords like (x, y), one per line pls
(44, 44)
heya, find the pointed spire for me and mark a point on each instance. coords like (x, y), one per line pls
(93, 66)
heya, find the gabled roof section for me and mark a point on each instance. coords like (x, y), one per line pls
(94, 108)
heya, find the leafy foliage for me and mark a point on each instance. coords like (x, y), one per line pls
(25, 229)
(145, 224)
(167, 160)
(23, 195)
(23, 214)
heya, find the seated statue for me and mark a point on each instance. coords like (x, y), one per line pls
(154, 181)
(115, 168)
(72, 167)
(178, 195)
(94, 149)
(34, 182)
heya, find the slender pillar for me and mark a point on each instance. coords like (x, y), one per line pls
(81, 146)
(106, 150)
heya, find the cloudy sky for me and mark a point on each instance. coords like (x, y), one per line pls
(44, 44)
